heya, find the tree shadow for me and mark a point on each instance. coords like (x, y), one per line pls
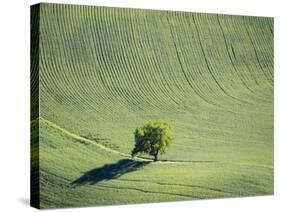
(109, 172)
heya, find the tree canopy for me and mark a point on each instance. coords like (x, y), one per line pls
(153, 138)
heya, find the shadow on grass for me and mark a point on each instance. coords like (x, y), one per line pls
(109, 171)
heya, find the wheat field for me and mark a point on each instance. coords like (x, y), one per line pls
(101, 72)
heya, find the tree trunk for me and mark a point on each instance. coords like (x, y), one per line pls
(156, 157)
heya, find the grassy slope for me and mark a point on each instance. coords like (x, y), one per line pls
(106, 71)
(64, 159)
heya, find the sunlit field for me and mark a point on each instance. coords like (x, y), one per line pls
(101, 72)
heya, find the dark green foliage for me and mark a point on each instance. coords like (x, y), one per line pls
(153, 138)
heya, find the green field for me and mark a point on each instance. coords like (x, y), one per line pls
(101, 72)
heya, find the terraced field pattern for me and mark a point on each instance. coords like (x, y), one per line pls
(101, 72)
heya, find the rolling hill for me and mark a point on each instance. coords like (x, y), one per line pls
(101, 72)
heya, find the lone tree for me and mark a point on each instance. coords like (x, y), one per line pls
(153, 138)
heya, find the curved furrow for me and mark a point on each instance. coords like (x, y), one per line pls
(102, 42)
(246, 56)
(159, 63)
(184, 53)
(124, 74)
(188, 37)
(173, 77)
(230, 57)
(112, 117)
(151, 75)
(106, 52)
(133, 70)
(82, 67)
(210, 69)
(65, 79)
(257, 55)
(118, 50)
(263, 40)
(108, 70)
(261, 43)
(239, 49)
(70, 105)
(265, 55)
(146, 99)
(87, 87)
(48, 67)
(192, 86)
(149, 84)
(156, 73)
(240, 77)
(185, 43)
(105, 85)
(100, 87)
(195, 60)
(135, 51)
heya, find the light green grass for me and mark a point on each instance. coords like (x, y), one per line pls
(106, 71)
(64, 159)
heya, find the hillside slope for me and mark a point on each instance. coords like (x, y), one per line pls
(74, 172)
(105, 71)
